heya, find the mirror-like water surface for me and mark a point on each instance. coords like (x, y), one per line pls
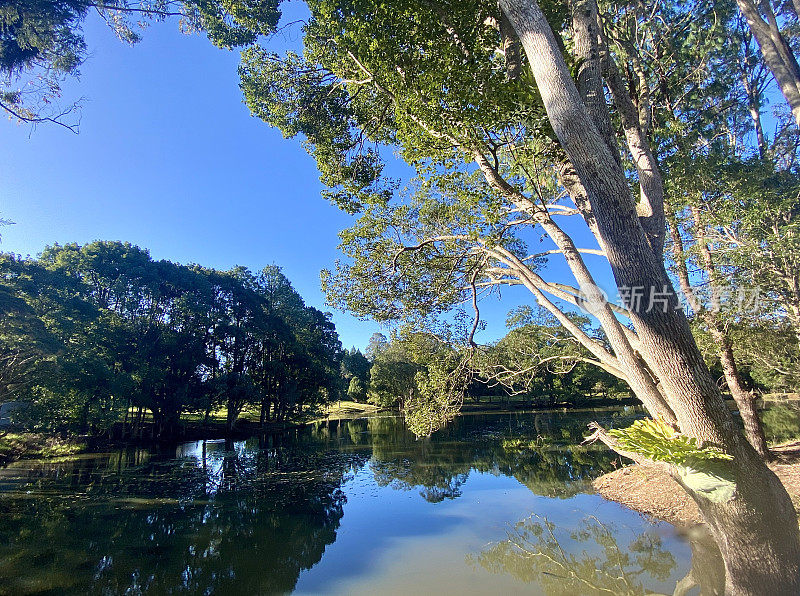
(495, 503)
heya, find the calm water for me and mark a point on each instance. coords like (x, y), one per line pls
(496, 503)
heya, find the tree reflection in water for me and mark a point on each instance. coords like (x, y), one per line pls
(540, 453)
(249, 518)
(590, 560)
(232, 521)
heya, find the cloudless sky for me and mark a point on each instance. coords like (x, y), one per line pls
(169, 158)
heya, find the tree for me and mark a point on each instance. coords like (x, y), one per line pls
(356, 390)
(302, 365)
(28, 347)
(497, 157)
(97, 335)
(666, 339)
(355, 373)
(424, 376)
(710, 316)
(763, 19)
(377, 344)
(392, 376)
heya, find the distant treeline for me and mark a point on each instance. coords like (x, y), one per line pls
(96, 336)
(101, 338)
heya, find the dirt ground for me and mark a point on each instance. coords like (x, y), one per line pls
(656, 494)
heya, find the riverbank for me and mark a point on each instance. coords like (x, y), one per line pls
(654, 493)
(16, 446)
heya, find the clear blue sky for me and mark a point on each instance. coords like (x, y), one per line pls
(169, 158)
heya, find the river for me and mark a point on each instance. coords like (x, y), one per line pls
(492, 504)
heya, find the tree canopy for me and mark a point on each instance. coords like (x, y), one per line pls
(42, 42)
(96, 334)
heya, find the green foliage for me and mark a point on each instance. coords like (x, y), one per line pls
(42, 31)
(423, 375)
(95, 335)
(42, 42)
(658, 441)
(356, 390)
(355, 374)
(441, 387)
(393, 372)
(701, 468)
(397, 79)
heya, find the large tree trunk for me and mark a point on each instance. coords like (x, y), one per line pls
(757, 528)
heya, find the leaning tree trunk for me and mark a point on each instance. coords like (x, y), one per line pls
(757, 528)
(744, 399)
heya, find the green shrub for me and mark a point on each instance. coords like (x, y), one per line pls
(781, 423)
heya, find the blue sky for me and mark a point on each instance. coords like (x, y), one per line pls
(169, 158)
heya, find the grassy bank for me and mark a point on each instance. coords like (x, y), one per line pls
(14, 446)
(345, 409)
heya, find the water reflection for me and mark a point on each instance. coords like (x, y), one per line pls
(595, 558)
(540, 450)
(251, 517)
(213, 520)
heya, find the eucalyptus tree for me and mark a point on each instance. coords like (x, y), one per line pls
(709, 312)
(733, 221)
(732, 206)
(377, 343)
(666, 340)
(500, 159)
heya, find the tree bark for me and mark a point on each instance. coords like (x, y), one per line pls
(760, 516)
(650, 207)
(753, 103)
(745, 400)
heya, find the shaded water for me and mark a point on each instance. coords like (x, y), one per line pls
(493, 503)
